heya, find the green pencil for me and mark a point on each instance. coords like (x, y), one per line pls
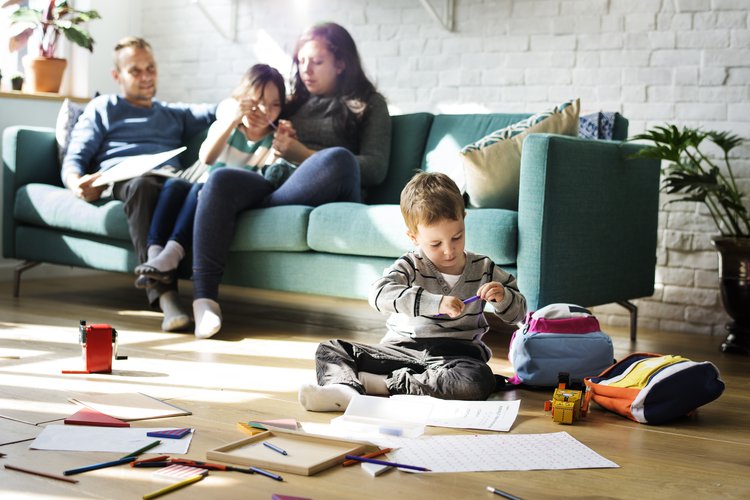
(144, 449)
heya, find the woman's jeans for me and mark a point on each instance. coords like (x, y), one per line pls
(327, 176)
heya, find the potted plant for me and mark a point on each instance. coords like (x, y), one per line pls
(56, 19)
(16, 81)
(697, 177)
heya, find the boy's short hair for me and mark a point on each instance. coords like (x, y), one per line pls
(128, 42)
(430, 197)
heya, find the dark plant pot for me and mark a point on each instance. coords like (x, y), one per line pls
(16, 84)
(734, 283)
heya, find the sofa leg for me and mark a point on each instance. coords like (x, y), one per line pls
(633, 309)
(23, 266)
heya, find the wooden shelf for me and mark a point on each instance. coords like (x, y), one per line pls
(42, 96)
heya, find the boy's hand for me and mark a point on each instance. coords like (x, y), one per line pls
(491, 292)
(450, 306)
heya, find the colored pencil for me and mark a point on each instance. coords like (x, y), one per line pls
(502, 493)
(266, 473)
(160, 458)
(374, 454)
(274, 448)
(383, 462)
(102, 465)
(42, 474)
(175, 486)
(140, 451)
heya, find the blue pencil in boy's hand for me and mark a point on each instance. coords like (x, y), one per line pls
(466, 301)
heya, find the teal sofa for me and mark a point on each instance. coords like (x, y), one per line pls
(585, 229)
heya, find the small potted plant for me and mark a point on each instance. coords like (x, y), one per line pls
(16, 81)
(698, 177)
(57, 18)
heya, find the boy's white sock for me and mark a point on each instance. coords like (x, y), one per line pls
(153, 251)
(374, 383)
(175, 318)
(334, 397)
(168, 259)
(207, 314)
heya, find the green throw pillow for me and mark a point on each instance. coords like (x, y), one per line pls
(492, 164)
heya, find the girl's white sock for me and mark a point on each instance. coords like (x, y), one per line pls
(207, 314)
(153, 251)
(333, 397)
(168, 259)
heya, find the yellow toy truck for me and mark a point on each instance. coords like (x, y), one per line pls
(567, 405)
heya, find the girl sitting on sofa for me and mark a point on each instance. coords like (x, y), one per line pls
(241, 136)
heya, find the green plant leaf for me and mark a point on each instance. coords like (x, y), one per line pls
(79, 36)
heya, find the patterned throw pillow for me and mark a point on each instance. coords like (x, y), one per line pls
(599, 125)
(492, 164)
(66, 119)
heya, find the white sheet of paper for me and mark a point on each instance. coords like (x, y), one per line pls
(495, 452)
(425, 410)
(130, 406)
(133, 166)
(485, 415)
(114, 439)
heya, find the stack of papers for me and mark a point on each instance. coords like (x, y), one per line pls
(406, 416)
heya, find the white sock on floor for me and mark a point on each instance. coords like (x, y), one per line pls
(175, 318)
(334, 397)
(207, 314)
(374, 384)
(153, 251)
(169, 258)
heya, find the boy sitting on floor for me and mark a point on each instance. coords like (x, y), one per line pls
(434, 345)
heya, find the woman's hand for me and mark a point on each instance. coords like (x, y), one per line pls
(287, 146)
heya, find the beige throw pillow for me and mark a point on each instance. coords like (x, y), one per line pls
(492, 164)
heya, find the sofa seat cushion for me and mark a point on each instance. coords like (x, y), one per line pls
(379, 231)
(273, 229)
(44, 205)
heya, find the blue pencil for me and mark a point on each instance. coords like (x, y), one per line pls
(384, 462)
(102, 465)
(466, 301)
(266, 473)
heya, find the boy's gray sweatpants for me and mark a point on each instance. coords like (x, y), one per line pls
(442, 368)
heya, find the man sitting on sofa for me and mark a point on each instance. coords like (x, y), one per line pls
(132, 122)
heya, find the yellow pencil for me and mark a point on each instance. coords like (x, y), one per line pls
(175, 486)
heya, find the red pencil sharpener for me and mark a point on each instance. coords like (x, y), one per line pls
(98, 346)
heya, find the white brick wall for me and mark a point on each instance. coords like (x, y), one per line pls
(655, 61)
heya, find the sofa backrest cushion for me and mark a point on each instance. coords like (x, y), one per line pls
(408, 136)
(193, 144)
(379, 231)
(450, 133)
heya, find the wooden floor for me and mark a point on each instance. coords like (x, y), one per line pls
(252, 371)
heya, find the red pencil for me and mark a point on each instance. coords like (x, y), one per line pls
(42, 474)
(369, 455)
(160, 458)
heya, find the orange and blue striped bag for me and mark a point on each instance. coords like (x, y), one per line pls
(655, 389)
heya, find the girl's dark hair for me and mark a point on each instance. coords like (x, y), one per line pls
(354, 89)
(258, 76)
